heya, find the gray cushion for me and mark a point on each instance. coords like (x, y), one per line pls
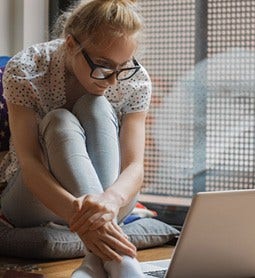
(40, 243)
(149, 232)
(57, 242)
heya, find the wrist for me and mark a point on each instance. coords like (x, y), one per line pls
(115, 197)
(75, 208)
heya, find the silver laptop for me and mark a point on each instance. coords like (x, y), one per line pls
(217, 239)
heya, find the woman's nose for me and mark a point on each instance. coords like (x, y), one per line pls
(112, 79)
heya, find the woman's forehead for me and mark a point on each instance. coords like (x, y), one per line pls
(117, 50)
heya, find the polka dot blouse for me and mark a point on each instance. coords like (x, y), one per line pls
(35, 78)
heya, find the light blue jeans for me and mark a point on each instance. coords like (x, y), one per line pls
(82, 148)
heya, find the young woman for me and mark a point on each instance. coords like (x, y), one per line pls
(77, 108)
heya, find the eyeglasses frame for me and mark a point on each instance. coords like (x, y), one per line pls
(93, 66)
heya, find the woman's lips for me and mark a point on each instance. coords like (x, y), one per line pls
(101, 87)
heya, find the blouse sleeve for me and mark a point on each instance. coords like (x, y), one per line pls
(19, 79)
(138, 89)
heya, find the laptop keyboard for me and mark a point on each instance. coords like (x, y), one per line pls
(156, 273)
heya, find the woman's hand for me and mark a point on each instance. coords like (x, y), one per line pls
(92, 212)
(108, 242)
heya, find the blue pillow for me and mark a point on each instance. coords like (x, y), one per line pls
(4, 60)
(4, 125)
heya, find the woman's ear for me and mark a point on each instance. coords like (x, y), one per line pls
(71, 45)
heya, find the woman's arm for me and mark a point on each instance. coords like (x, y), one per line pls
(24, 132)
(132, 143)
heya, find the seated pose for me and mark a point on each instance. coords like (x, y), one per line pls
(77, 108)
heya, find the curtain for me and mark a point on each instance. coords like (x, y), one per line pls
(22, 23)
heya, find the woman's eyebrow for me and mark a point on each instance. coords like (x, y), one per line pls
(112, 62)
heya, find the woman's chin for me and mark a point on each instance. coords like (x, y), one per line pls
(98, 93)
(96, 90)
(99, 90)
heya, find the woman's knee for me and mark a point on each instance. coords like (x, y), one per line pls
(58, 122)
(91, 109)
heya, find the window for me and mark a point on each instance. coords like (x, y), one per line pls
(201, 126)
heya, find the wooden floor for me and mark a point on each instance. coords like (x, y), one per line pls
(64, 268)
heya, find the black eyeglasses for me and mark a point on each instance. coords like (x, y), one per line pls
(101, 72)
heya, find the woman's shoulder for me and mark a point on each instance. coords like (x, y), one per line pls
(140, 80)
(131, 95)
(41, 48)
(37, 55)
(33, 72)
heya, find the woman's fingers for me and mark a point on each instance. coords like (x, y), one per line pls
(111, 242)
(99, 219)
(122, 236)
(77, 209)
(109, 253)
(93, 218)
(118, 228)
(120, 246)
(91, 221)
(117, 240)
(81, 219)
(101, 245)
(99, 252)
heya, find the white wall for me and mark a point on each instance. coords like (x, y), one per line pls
(5, 28)
(22, 23)
(35, 21)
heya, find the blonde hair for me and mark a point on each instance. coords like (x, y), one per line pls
(93, 18)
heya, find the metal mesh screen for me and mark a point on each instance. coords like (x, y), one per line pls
(201, 125)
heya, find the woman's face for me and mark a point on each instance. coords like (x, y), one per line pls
(113, 53)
